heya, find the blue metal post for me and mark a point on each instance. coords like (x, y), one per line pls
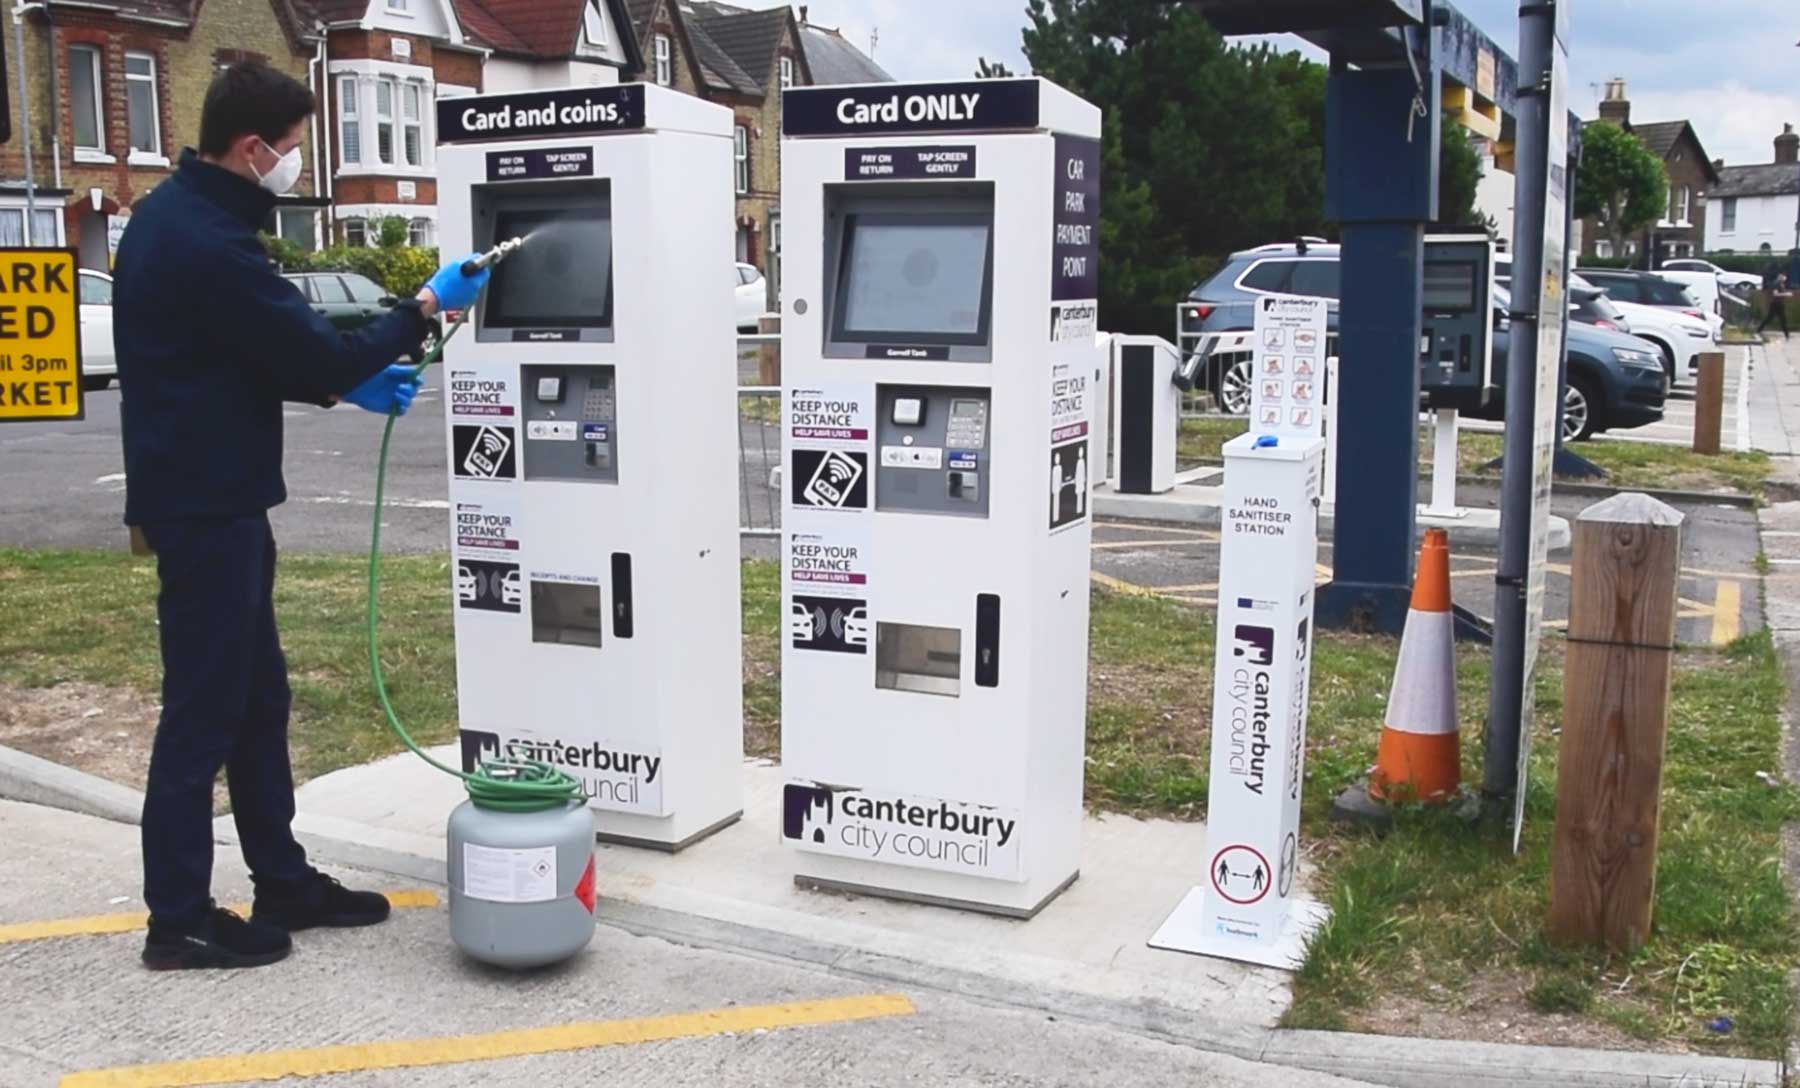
(1381, 177)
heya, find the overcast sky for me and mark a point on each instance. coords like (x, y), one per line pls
(1729, 66)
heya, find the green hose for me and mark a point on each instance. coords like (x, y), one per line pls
(502, 785)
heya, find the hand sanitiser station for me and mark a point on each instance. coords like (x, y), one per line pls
(590, 429)
(938, 361)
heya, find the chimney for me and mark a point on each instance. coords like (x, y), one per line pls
(1615, 107)
(1787, 145)
(803, 15)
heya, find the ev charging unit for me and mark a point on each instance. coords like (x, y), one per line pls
(1245, 906)
(592, 456)
(1146, 414)
(938, 388)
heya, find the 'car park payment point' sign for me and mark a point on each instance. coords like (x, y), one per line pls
(40, 336)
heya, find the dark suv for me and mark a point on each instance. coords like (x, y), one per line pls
(1615, 380)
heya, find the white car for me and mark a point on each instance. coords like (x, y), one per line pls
(1681, 337)
(752, 297)
(467, 588)
(1708, 295)
(1735, 281)
(99, 363)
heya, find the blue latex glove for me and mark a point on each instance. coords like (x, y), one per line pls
(454, 290)
(391, 390)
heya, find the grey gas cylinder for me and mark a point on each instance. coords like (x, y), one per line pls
(522, 884)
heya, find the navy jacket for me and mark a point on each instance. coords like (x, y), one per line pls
(211, 340)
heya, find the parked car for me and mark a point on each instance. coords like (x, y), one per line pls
(1698, 299)
(1615, 380)
(1681, 335)
(752, 297)
(348, 300)
(99, 362)
(1736, 281)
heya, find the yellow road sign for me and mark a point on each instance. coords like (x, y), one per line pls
(40, 335)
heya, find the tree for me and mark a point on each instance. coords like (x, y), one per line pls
(1459, 180)
(1210, 148)
(986, 69)
(1622, 185)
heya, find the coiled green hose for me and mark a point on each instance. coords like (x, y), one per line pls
(502, 785)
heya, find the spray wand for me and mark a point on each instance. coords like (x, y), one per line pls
(500, 784)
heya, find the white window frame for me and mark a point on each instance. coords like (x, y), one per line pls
(387, 123)
(1728, 215)
(421, 232)
(361, 226)
(402, 8)
(593, 19)
(1687, 204)
(787, 71)
(1603, 248)
(416, 92)
(11, 206)
(96, 152)
(349, 116)
(664, 51)
(138, 157)
(740, 158)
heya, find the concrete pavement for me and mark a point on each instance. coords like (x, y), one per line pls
(365, 992)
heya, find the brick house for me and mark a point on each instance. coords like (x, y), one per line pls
(114, 96)
(551, 43)
(1692, 174)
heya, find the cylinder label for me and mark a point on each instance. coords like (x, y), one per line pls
(509, 876)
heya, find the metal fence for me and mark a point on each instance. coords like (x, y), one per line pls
(759, 433)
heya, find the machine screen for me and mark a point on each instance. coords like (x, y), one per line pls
(915, 278)
(1449, 286)
(562, 278)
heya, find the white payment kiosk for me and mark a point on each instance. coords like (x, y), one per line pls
(938, 364)
(592, 458)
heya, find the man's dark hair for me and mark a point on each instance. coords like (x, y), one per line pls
(251, 98)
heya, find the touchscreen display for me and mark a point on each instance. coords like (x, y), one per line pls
(915, 276)
(561, 278)
(1449, 285)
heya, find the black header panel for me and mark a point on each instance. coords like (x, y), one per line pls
(572, 111)
(977, 105)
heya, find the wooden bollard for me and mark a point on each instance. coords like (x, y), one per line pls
(1622, 601)
(1709, 402)
(768, 356)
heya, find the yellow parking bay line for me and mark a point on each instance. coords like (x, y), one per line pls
(461, 1049)
(1727, 609)
(96, 925)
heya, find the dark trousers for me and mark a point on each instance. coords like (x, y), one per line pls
(225, 705)
(1777, 312)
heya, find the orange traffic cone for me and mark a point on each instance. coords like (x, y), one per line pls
(1420, 758)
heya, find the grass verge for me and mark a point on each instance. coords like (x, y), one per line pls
(1631, 465)
(1435, 907)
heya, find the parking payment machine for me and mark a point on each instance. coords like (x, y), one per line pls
(1456, 352)
(593, 469)
(938, 365)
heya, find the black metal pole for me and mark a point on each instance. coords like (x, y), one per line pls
(1537, 32)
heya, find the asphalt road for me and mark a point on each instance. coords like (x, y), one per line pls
(64, 487)
(366, 993)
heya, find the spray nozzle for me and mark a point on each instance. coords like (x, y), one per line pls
(491, 257)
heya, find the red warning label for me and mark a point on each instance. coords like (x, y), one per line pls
(584, 890)
(1241, 874)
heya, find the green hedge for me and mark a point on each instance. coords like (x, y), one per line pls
(398, 267)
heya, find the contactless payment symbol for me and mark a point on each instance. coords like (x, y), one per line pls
(833, 479)
(484, 452)
(1241, 874)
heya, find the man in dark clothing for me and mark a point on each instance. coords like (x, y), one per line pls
(211, 341)
(1778, 303)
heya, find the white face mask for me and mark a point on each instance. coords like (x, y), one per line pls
(284, 174)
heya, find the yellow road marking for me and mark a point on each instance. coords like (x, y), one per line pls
(1726, 610)
(96, 925)
(1115, 545)
(1133, 527)
(494, 1046)
(1119, 585)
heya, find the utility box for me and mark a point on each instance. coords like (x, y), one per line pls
(593, 461)
(1456, 350)
(938, 388)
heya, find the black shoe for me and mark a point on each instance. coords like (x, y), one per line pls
(317, 901)
(222, 940)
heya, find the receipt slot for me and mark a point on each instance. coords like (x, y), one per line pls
(593, 467)
(938, 390)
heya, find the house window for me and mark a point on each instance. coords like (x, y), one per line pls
(665, 68)
(1603, 249)
(356, 232)
(349, 127)
(400, 7)
(84, 97)
(384, 121)
(412, 140)
(143, 121)
(593, 24)
(12, 228)
(1728, 215)
(1686, 206)
(419, 233)
(297, 225)
(740, 153)
(787, 71)
(1630, 249)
